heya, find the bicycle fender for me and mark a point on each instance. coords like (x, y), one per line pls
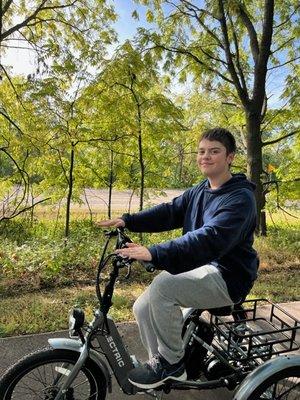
(263, 372)
(75, 345)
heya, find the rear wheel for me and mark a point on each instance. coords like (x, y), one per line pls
(283, 385)
(41, 375)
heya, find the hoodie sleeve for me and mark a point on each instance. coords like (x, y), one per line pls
(163, 217)
(227, 227)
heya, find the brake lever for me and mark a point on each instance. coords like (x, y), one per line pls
(110, 233)
(128, 272)
(123, 261)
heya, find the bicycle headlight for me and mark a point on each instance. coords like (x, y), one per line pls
(76, 321)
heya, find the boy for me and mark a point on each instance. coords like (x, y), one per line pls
(213, 264)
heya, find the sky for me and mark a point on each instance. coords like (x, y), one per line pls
(23, 61)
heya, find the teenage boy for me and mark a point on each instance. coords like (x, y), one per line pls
(213, 264)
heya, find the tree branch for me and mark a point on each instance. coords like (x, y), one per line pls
(191, 7)
(281, 65)
(264, 54)
(277, 181)
(287, 19)
(282, 209)
(283, 44)
(280, 138)
(242, 94)
(24, 210)
(6, 7)
(61, 163)
(23, 175)
(12, 122)
(237, 52)
(195, 58)
(31, 17)
(13, 86)
(277, 112)
(251, 31)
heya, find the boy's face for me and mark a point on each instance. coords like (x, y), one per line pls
(212, 158)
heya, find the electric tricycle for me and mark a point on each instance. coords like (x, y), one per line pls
(237, 348)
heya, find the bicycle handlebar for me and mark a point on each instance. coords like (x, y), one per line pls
(118, 262)
(149, 267)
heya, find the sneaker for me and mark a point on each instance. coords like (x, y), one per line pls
(155, 372)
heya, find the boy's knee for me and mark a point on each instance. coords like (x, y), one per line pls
(161, 285)
(140, 307)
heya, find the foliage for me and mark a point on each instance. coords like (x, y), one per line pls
(86, 120)
(233, 49)
(50, 28)
(42, 276)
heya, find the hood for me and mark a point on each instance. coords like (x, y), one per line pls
(238, 181)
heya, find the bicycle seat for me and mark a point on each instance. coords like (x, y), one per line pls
(221, 311)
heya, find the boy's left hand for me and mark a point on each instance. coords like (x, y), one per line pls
(135, 251)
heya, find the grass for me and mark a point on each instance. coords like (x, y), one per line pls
(47, 310)
(42, 276)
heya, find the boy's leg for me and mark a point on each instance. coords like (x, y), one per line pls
(200, 288)
(141, 311)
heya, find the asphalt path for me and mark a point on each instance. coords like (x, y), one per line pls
(12, 349)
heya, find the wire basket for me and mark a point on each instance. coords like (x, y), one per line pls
(267, 330)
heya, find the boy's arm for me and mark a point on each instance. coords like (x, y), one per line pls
(163, 217)
(227, 228)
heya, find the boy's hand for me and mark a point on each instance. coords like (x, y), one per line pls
(116, 222)
(135, 251)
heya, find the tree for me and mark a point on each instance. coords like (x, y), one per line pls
(58, 32)
(133, 106)
(46, 26)
(231, 45)
(17, 154)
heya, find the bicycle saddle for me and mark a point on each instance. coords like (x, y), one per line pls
(221, 311)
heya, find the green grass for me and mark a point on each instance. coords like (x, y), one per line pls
(42, 276)
(48, 310)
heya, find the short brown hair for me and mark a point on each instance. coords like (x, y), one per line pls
(221, 135)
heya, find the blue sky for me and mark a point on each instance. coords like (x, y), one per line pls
(22, 61)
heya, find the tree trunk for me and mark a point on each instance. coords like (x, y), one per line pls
(181, 156)
(141, 160)
(254, 167)
(142, 181)
(70, 191)
(111, 182)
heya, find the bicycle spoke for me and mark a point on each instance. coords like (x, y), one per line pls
(289, 390)
(80, 383)
(29, 390)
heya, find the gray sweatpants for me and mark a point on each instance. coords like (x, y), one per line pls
(158, 309)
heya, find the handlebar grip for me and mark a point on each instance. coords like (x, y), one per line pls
(148, 266)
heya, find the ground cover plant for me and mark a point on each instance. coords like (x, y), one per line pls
(43, 275)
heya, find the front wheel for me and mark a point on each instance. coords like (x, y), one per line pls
(41, 374)
(283, 385)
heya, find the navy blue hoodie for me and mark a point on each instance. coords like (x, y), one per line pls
(218, 227)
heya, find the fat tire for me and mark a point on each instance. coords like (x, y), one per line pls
(41, 357)
(278, 376)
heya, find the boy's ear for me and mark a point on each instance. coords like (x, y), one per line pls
(230, 157)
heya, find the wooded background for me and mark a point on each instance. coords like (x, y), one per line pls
(98, 113)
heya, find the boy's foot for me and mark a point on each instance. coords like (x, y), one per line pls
(155, 372)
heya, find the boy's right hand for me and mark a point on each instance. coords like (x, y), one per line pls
(116, 222)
